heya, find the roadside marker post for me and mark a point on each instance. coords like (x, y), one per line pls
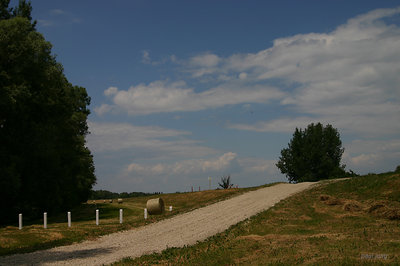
(145, 213)
(170, 208)
(120, 216)
(97, 217)
(45, 220)
(69, 218)
(20, 221)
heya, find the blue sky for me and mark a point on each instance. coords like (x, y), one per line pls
(184, 90)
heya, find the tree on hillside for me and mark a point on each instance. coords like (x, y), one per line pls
(312, 154)
(44, 163)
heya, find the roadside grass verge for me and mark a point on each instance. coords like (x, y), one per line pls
(347, 222)
(34, 237)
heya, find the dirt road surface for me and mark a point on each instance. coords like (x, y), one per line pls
(180, 230)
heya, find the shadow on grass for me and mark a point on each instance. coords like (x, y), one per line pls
(51, 256)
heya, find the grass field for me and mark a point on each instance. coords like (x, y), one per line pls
(349, 222)
(34, 237)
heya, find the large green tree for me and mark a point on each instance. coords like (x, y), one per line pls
(313, 154)
(44, 162)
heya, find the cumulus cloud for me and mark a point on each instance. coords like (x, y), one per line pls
(222, 164)
(205, 60)
(162, 96)
(111, 91)
(367, 155)
(348, 77)
(228, 163)
(278, 125)
(146, 141)
(195, 172)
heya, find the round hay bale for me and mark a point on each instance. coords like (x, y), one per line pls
(155, 206)
(120, 201)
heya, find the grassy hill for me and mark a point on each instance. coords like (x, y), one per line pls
(34, 237)
(354, 222)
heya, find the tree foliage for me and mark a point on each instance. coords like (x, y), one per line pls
(44, 163)
(313, 154)
(225, 182)
(397, 170)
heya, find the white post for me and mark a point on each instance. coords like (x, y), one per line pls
(45, 220)
(20, 221)
(120, 215)
(97, 217)
(170, 208)
(145, 213)
(69, 218)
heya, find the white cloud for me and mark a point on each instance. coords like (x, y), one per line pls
(146, 57)
(111, 91)
(57, 12)
(228, 163)
(161, 96)
(363, 159)
(365, 156)
(103, 109)
(146, 141)
(279, 125)
(57, 17)
(205, 60)
(220, 165)
(257, 165)
(195, 172)
(348, 77)
(243, 75)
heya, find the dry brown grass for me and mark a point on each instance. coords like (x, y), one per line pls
(34, 237)
(350, 222)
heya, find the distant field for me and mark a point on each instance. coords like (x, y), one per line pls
(34, 237)
(349, 222)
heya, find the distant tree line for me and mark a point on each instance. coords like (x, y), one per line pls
(105, 194)
(44, 162)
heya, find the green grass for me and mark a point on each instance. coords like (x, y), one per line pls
(306, 229)
(34, 237)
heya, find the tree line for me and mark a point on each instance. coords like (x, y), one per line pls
(105, 194)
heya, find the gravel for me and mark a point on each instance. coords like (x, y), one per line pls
(178, 231)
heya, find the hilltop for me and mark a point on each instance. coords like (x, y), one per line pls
(352, 221)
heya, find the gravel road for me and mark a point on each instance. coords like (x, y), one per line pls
(180, 230)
